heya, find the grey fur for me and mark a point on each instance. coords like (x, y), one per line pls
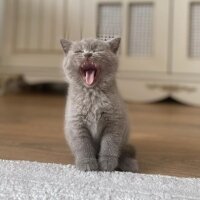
(96, 125)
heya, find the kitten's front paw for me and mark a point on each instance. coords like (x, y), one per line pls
(87, 164)
(108, 163)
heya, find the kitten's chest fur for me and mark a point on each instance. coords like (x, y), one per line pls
(93, 107)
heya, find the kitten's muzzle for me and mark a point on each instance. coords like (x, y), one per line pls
(87, 54)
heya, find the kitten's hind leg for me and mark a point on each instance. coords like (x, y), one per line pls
(127, 160)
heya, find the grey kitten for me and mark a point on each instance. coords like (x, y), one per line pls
(96, 124)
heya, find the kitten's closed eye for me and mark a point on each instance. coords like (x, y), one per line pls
(78, 51)
(98, 50)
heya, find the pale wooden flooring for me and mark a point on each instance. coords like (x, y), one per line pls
(166, 136)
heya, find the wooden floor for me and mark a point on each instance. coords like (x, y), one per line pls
(166, 135)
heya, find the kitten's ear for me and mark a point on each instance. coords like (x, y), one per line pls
(66, 44)
(114, 44)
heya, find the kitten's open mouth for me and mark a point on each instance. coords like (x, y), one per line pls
(89, 72)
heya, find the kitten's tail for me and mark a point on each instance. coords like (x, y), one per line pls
(127, 160)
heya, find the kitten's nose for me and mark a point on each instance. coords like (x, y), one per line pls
(88, 54)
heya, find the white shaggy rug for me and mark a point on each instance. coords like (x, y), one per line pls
(31, 180)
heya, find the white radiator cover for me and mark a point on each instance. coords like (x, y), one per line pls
(141, 29)
(194, 40)
(109, 21)
(39, 25)
(159, 52)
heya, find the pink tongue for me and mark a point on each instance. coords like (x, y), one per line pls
(90, 77)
